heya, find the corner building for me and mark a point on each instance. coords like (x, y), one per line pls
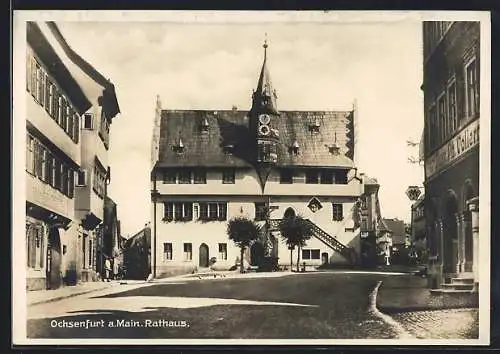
(263, 164)
(69, 108)
(451, 102)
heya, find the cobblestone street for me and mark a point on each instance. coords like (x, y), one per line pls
(441, 324)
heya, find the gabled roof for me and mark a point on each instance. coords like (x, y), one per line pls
(109, 94)
(398, 230)
(230, 127)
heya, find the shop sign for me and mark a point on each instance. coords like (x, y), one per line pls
(454, 149)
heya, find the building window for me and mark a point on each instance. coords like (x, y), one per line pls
(30, 154)
(472, 89)
(286, 176)
(104, 129)
(169, 177)
(327, 177)
(84, 251)
(260, 211)
(213, 211)
(81, 178)
(443, 123)
(168, 214)
(228, 176)
(196, 211)
(34, 245)
(184, 177)
(90, 254)
(88, 121)
(49, 95)
(452, 107)
(200, 176)
(167, 251)
(99, 182)
(311, 177)
(337, 212)
(310, 254)
(76, 128)
(188, 251)
(433, 126)
(223, 251)
(203, 211)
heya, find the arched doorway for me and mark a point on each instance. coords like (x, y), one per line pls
(450, 234)
(324, 258)
(54, 258)
(468, 194)
(289, 213)
(203, 256)
(256, 254)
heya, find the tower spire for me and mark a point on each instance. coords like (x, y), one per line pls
(264, 98)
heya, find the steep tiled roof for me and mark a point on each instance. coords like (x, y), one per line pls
(398, 230)
(230, 127)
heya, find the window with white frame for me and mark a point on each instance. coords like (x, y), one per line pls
(88, 121)
(452, 107)
(472, 88)
(223, 251)
(184, 176)
(167, 251)
(310, 254)
(200, 176)
(188, 251)
(228, 176)
(337, 212)
(212, 211)
(178, 211)
(442, 118)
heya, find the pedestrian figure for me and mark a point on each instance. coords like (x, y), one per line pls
(115, 269)
(107, 268)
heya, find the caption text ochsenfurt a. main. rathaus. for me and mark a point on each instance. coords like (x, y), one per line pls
(119, 323)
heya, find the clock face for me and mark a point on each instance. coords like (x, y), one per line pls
(264, 119)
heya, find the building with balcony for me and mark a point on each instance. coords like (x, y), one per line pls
(69, 110)
(264, 164)
(451, 102)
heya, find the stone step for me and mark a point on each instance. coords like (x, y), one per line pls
(449, 291)
(462, 280)
(457, 286)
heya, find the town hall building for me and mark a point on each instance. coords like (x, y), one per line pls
(264, 164)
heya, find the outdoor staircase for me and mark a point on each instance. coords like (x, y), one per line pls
(456, 286)
(326, 238)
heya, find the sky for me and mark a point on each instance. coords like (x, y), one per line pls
(314, 66)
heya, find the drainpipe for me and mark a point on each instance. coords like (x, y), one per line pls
(153, 244)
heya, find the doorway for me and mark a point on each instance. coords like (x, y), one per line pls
(203, 256)
(256, 254)
(450, 235)
(324, 258)
(54, 257)
(289, 213)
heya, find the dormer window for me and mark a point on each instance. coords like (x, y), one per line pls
(314, 126)
(334, 149)
(179, 147)
(228, 149)
(204, 125)
(294, 149)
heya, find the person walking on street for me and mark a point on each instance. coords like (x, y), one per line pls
(107, 268)
(115, 269)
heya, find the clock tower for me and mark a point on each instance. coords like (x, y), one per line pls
(263, 116)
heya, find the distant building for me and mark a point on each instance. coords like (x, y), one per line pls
(418, 229)
(399, 240)
(451, 105)
(109, 239)
(70, 107)
(264, 164)
(370, 215)
(137, 254)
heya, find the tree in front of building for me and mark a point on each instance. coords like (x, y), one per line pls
(243, 232)
(295, 232)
